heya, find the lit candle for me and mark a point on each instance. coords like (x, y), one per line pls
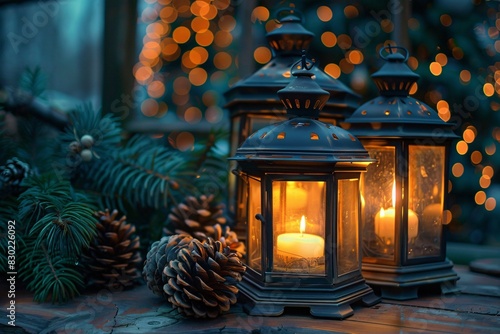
(385, 221)
(301, 244)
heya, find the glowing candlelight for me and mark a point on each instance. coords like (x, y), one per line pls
(385, 221)
(301, 245)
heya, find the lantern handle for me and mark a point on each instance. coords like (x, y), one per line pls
(302, 64)
(390, 48)
(288, 11)
(261, 218)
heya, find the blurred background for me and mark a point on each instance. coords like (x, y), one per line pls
(163, 66)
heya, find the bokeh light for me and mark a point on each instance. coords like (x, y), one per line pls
(324, 13)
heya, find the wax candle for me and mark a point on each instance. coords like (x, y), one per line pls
(302, 245)
(385, 224)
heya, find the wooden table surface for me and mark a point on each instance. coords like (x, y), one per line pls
(475, 310)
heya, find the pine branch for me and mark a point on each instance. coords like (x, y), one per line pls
(143, 173)
(104, 130)
(50, 276)
(211, 165)
(37, 144)
(56, 216)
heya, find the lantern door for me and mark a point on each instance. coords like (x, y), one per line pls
(379, 206)
(254, 230)
(348, 255)
(426, 188)
(299, 227)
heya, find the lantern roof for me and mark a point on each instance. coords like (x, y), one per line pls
(287, 42)
(394, 113)
(303, 137)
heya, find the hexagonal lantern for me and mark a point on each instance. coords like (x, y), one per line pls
(303, 210)
(403, 194)
(253, 102)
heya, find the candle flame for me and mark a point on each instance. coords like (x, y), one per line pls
(382, 212)
(302, 224)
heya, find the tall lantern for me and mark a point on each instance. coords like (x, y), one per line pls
(403, 194)
(253, 102)
(303, 210)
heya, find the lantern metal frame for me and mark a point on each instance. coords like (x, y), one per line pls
(304, 149)
(253, 102)
(398, 122)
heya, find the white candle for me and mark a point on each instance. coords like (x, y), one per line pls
(385, 224)
(302, 245)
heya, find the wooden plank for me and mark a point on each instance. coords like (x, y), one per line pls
(139, 310)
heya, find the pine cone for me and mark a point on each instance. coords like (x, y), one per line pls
(161, 253)
(229, 239)
(113, 256)
(201, 280)
(196, 217)
(12, 174)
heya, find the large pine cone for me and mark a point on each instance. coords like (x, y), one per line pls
(113, 257)
(202, 219)
(161, 253)
(201, 280)
(196, 217)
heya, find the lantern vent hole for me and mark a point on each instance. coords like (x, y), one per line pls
(363, 112)
(352, 137)
(281, 135)
(314, 136)
(263, 135)
(387, 112)
(317, 104)
(335, 136)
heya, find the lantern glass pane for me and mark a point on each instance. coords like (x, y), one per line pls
(347, 224)
(299, 209)
(254, 225)
(378, 201)
(425, 200)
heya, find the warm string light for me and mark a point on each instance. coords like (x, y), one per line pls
(185, 44)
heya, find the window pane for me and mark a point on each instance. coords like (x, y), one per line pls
(255, 226)
(425, 200)
(378, 202)
(347, 220)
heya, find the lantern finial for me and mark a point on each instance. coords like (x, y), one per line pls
(395, 78)
(303, 96)
(290, 37)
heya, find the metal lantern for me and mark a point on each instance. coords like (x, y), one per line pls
(403, 193)
(303, 210)
(253, 102)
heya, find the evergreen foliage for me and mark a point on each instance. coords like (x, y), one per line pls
(57, 217)
(49, 275)
(89, 166)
